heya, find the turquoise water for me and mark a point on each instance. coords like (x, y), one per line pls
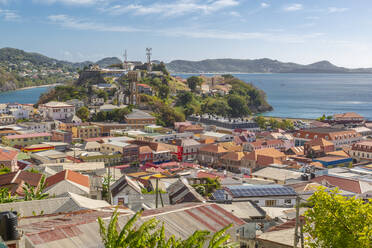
(23, 96)
(312, 95)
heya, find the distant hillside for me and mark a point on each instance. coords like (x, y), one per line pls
(17, 56)
(256, 66)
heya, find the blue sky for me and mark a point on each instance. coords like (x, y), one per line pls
(292, 31)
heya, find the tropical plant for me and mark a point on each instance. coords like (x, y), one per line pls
(4, 169)
(149, 235)
(338, 221)
(32, 193)
(6, 197)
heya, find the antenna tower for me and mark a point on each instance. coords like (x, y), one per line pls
(125, 63)
(148, 55)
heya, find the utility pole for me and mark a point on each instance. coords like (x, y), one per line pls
(302, 233)
(156, 192)
(296, 236)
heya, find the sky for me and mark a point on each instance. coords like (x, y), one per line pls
(290, 31)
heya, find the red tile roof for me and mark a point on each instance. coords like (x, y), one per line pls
(342, 183)
(68, 175)
(7, 154)
(15, 180)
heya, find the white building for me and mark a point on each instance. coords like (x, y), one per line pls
(56, 110)
(36, 127)
(220, 137)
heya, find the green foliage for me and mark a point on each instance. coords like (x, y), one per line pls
(194, 82)
(209, 187)
(116, 115)
(83, 113)
(32, 193)
(105, 186)
(64, 93)
(238, 106)
(4, 169)
(167, 116)
(338, 221)
(5, 196)
(150, 235)
(273, 123)
(22, 120)
(33, 170)
(322, 118)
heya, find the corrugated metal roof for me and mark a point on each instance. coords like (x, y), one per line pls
(80, 229)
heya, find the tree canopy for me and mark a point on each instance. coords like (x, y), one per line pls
(83, 113)
(193, 82)
(338, 221)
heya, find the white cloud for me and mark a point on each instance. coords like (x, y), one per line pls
(9, 15)
(234, 13)
(337, 10)
(73, 23)
(70, 2)
(70, 22)
(174, 8)
(294, 7)
(265, 5)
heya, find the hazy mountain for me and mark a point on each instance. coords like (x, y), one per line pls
(17, 56)
(108, 61)
(256, 66)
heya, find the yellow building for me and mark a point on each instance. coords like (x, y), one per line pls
(84, 132)
(22, 140)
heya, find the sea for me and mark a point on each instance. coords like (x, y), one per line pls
(309, 95)
(28, 95)
(291, 95)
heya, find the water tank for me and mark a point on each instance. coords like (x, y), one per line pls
(8, 225)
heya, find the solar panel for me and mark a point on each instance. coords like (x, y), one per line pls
(260, 190)
(219, 195)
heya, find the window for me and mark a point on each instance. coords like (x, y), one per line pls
(270, 203)
(120, 201)
(287, 201)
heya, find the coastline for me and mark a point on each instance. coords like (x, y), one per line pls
(37, 86)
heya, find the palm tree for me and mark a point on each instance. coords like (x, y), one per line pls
(149, 235)
(32, 193)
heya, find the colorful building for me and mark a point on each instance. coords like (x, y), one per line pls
(84, 132)
(22, 140)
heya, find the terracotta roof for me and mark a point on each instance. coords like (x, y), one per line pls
(339, 153)
(70, 176)
(319, 142)
(203, 174)
(7, 154)
(28, 135)
(262, 142)
(270, 152)
(332, 133)
(298, 150)
(15, 180)
(144, 85)
(347, 115)
(145, 149)
(235, 156)
(213, 148)
(342, 183)
(207, 141)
